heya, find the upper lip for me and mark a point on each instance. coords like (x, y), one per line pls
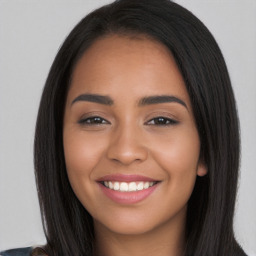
(125, 178)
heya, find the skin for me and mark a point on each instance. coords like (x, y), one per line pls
(129, 139)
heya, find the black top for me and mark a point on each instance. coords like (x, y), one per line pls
(17, 252)
(23, 252)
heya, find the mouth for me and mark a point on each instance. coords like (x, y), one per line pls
(127, 189)
(128, 186)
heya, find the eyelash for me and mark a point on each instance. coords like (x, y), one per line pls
(88, 121)
(97, 120)
(167, 121)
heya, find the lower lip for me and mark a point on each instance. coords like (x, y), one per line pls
(127, 197)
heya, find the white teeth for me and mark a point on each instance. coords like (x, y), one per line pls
(124, 186)
(116, 186)
(110, 185)
(140, 186)
(128, 187)
(132, 186)
(146, 185)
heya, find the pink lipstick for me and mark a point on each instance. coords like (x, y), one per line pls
(127, 189)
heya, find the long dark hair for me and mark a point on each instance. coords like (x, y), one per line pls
(209, 231)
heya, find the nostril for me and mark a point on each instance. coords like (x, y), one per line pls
(127, 153)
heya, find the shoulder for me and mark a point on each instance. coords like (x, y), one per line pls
(17, 252)
(28, 251)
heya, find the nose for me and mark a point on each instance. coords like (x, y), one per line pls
(127, 146)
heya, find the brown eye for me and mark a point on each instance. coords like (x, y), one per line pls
(162, 121)
(94, 120)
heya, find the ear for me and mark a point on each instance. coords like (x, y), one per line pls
(201, 169)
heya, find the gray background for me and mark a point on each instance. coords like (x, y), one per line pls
(30, 35)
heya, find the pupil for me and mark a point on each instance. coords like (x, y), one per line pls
(160, 120)
(97, 120)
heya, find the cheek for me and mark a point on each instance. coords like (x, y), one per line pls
(82, 154)
(180, 148)
(178, 155)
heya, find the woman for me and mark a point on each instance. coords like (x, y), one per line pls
(137, 142)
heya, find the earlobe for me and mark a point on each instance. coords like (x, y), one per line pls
(201, 169)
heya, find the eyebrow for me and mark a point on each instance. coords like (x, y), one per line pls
(105, 100)
(161, 99)
(148, 100)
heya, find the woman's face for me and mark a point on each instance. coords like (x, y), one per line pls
(130, 140)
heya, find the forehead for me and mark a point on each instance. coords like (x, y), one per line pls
(122, 65)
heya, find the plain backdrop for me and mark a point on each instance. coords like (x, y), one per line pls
(31, 32)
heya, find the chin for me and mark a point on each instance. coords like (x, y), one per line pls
(127, 229)
(132, 223)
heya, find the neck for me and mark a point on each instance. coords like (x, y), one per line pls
(167, 239)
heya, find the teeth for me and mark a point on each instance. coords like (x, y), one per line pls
(128, 186)
(140, 186)
(132, 186)
(124, 186)
(110, 185)
(116, 186)
(146, 185)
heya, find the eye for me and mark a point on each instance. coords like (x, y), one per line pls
(162, 121)
(93, 120)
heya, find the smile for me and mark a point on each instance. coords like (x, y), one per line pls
(127, 189)
(128, 186)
